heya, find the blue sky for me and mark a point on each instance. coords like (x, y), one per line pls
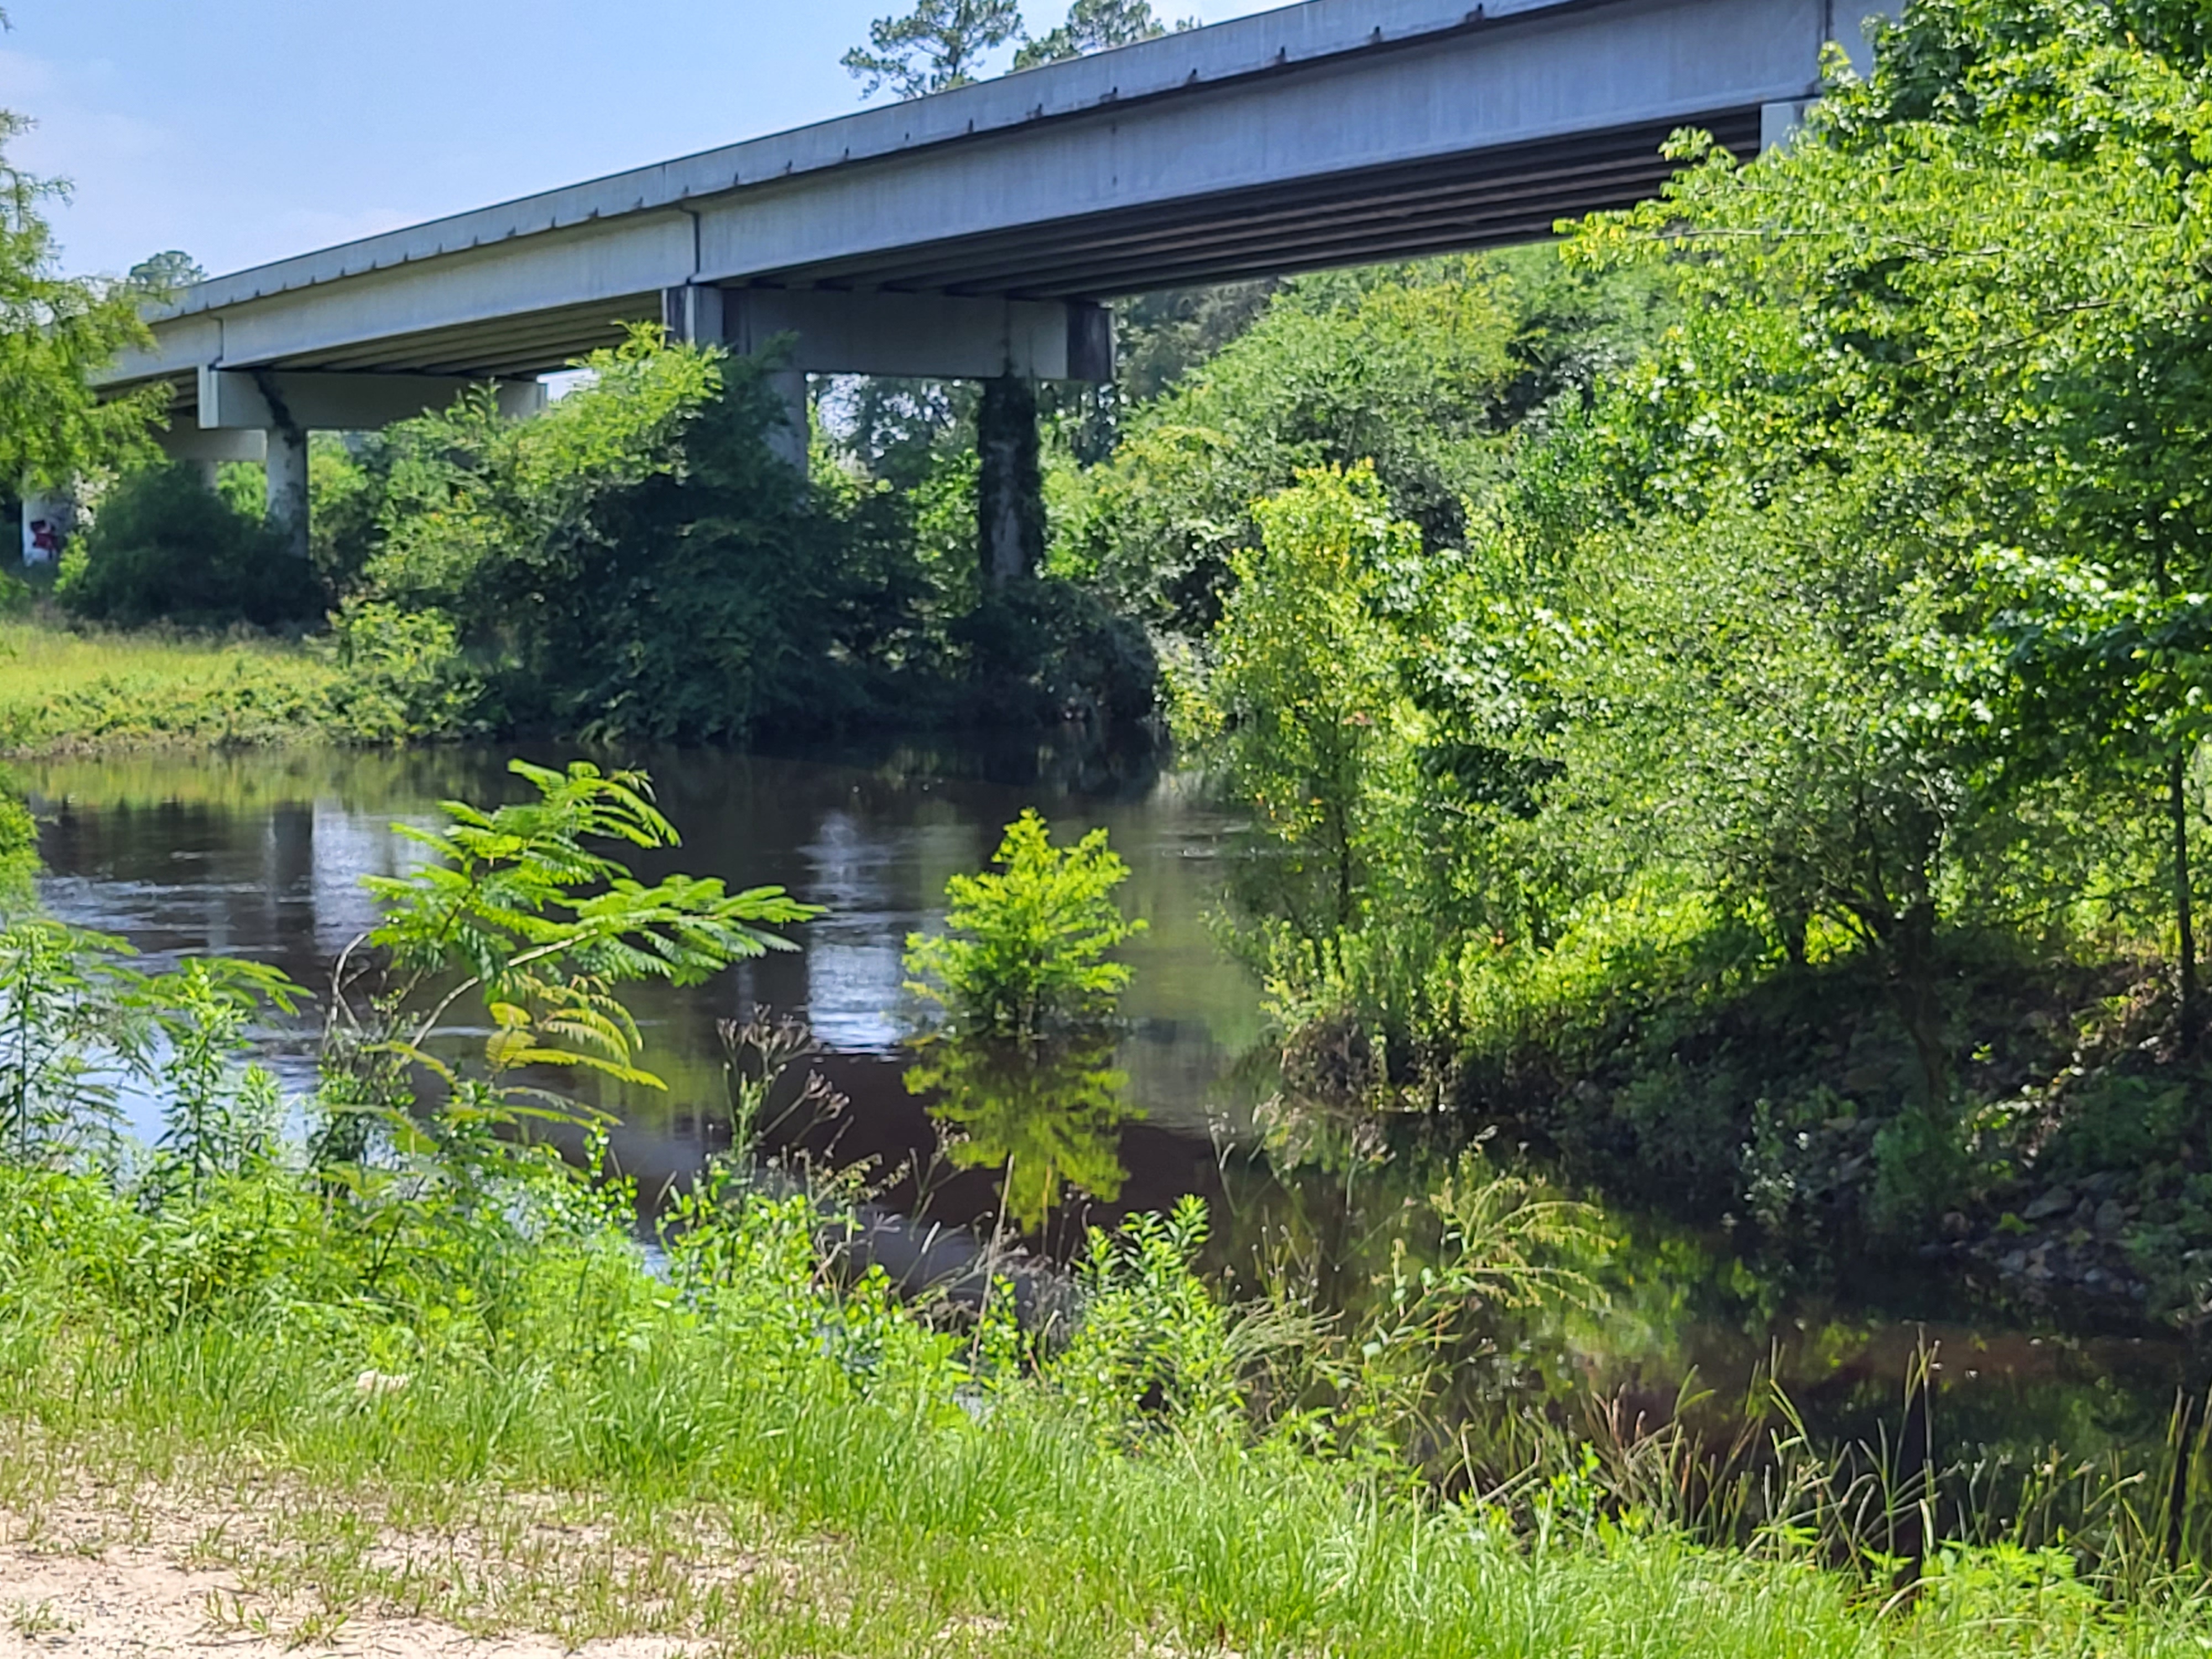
(242, 130)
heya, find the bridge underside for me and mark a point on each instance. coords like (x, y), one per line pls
(1494, 198)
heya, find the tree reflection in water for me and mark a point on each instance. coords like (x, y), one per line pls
(1048, 1114)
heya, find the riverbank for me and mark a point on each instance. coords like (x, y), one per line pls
(385, 1356)
(64, 691)
(2061, 1163)
(232, 1403)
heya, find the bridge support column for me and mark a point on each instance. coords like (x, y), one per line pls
(791, 441)
(287, 487)
(205, 451)
(49, 519)
(698, 314)
(1010, 482)
(241, 409)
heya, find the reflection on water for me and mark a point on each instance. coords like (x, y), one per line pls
(1047, 1116)
(260, 855)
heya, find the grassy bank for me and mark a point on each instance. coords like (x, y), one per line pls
(757, 1460)
(62, 690)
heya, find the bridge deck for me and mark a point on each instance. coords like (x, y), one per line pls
(1333, 132)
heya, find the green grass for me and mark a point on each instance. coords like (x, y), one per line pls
(62, 690)
(759, 1460)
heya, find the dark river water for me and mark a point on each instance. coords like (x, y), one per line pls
(260, 855)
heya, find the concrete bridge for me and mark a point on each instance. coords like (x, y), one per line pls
(978, 232)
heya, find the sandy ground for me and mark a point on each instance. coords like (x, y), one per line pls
(130, 1601)
(94, 1573)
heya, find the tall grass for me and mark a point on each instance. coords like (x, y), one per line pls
(62, 690)
(750, 1390)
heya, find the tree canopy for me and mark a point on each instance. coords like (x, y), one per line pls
(55, 332)
(1095, 26)
(938, 45)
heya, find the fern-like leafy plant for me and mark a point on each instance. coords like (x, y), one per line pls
(523, 923)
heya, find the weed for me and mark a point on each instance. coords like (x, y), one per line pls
(31, 1619)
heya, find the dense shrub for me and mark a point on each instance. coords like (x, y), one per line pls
(164, 547)
(1423, 371)
(1025, 944)
(636, 563)
(403, 675)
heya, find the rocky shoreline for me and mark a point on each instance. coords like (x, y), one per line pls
(2070, 1239)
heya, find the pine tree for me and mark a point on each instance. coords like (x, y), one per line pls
(936, 46)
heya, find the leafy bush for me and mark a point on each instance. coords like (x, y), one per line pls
(1024, 947)
(1420, 370)
(1153, 1340)
(164, 546)
(1040, 653)
(1300, 707)
(19, 844)
(402, 675)
(524, 912)
(636, 563)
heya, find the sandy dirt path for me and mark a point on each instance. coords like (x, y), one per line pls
(95, 1572)
(130, 1600)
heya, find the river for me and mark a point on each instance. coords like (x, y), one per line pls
(260, 854)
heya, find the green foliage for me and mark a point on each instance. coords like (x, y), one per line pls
(1419, 369)
(522, 912)
(81, 1025)
(220, 1114)
(67, 1029)
(1095, 26)
(1161, 337)
(163, 275)
(19, 845)
(1299, 705)
(55, 332)
(63, 689)
(1795, 589)
(1024, 946)
(536, 564)
(1039, 654)
(636, 563)
(938, 45)
(403, 675)
(741, 1386)
(165, 546)
(463, 1315)
(1153, 1340)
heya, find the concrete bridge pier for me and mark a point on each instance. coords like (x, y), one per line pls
(791, 442)
(1007, 344)
(286, 500)
(49, 521)
(699, 313)
(1009, 481)
(265, 415)
(206, 451)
